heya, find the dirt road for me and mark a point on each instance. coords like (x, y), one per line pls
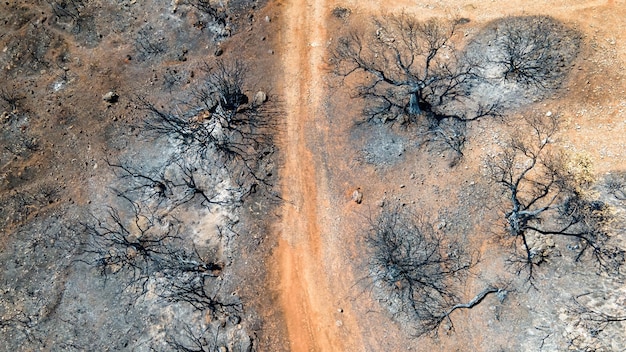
(305, 295)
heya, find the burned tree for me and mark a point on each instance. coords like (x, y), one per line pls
(144, 247)
(544, 198)
(221, 123)
(534, 50)
(68, 10)
(177, 182)
(616, 186)
(10, 99)
(196, 286)
(209, 338)
(411, 71)
(148, 184)
(418, 270)
(521, 59)
(595, 320)
(150, 42)
(138, 247)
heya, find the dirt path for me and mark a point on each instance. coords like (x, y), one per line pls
(300, 241)
(304, 285)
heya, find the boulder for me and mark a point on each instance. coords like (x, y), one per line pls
(357, 196)
(259, 98)
(111, 97)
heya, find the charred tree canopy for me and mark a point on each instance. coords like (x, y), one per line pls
(418, 270)
(221, 123)
(534, 50)
(409, 69)
(545, 197)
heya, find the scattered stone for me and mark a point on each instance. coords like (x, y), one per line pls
(340, 310)
(259, 98)
(549, 113)
(111, 97)
(357, 196)
(219, 51)
(271, 52)
(268, 19)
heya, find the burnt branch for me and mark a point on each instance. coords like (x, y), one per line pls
(544, 199)
(534, 50)
(222, 124)
(178, 182)
(418, 270)
(412, 73)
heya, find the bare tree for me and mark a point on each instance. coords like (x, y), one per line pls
(176, 183)
(544, 199)
(534, 50)
(418, 270)
(221, 122)
(411, 71)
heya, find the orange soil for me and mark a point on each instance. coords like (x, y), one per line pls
(305, 290)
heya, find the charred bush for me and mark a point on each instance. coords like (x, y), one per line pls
(544, 198)
(522, 58)
(418, 271)
(534, 50)
(411, 70)
(221, 124)
(150, 43)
